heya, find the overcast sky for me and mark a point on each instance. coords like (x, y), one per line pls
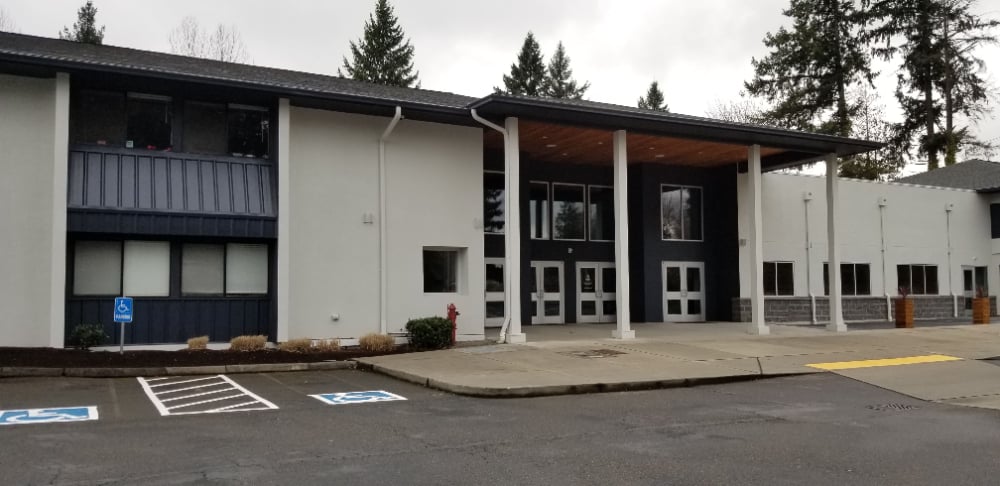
(698, 50)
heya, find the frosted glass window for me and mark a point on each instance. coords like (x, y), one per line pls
(203, 269)
(246, 269)
(97, 268)
(147, 269)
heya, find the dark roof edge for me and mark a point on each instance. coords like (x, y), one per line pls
(58, 63)
(691, 121)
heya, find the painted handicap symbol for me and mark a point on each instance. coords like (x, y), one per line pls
(47, 415)
(357, 397)
(122, 307)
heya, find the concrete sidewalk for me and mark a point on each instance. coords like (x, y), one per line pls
(581, 358)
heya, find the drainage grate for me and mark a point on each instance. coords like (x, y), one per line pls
(594, 353)
(891, 407)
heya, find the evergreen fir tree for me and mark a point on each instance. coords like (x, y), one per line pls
(85, 28)
(810, 68)
(527, 75)
(869, 124)
(653, 99)
(384, 55)
(559, 82)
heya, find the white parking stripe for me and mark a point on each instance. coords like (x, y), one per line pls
(191, 403)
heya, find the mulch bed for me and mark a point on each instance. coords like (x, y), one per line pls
(78, 358)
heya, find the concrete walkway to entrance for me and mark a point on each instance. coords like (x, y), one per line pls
(583, 358)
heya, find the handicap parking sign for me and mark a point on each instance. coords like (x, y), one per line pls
(357, 397)
(123, 309)
(47, 415)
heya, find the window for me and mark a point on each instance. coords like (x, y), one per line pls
(98, 118)
(235, 268)
(246, 269)
(441, 270)
(917, 279)
(493, 202)
(135, 268)
(97, 268)
(204, 128)
(494, 289)
(149, 120)
(855, 279)
(602, 213)
(203, 269)
(249, 131)
(146, 268)
(778, 278)
(680, 212)
(538, 207)
(568, 216)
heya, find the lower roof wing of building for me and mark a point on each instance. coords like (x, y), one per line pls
(581, 132)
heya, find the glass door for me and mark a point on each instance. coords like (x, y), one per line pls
(683, 291)
(546, 293)
(494, 292)
(597, 298)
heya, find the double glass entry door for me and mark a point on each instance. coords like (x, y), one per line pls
(546, 293)
(683, 291)
(595, 290)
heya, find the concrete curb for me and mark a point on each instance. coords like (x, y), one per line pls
(13, 372)
(555, 390)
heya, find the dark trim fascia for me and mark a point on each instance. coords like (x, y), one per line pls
(170, 224)
(671, 125)
(278, 90)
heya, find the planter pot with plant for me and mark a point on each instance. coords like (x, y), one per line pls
(904, 309)
(981, 307)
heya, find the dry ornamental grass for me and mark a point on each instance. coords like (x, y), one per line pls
(377, 342)
(296, 345)
(197, 343)
(326, 345)
(248, 343)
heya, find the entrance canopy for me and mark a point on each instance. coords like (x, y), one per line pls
(579, 131)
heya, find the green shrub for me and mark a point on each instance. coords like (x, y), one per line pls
(86, 336)
(429, 333)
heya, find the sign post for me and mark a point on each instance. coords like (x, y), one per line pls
(123, 314)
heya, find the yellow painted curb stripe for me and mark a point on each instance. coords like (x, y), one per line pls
(871, 363)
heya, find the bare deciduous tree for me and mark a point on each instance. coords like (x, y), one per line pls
(224, 43)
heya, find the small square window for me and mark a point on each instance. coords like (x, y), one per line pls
(246, 269)
(203, 269)
(249, 131)
(441, 270)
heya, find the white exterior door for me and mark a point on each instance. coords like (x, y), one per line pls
(683, 291)
(547, 293)
(495, 276)
(595, 290)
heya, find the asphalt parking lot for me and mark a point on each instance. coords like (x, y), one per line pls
(817, 429)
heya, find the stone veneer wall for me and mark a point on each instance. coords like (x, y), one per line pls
(797, 309)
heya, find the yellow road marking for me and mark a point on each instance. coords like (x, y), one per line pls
(871, 363)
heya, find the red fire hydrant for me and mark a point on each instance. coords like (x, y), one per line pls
(453, 317)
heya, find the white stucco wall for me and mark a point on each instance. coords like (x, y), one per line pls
(27, 140)
(434, 187)
(915, 230)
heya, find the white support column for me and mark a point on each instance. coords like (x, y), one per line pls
(755, 243)
(60, 176)
(284, 213)
(836, 323)
(512, 230)
(624, 317)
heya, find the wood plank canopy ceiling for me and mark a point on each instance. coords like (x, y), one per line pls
(549, 142)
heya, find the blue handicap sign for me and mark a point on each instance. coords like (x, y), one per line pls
(123, 309)
(357, 397)
(46, 415)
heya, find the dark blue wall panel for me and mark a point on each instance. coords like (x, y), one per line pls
(172, 321)
(122, 179)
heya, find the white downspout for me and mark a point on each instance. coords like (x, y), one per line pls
(383, 258)
(951, 288)
(812, 297)
(882, 203)
(506, 283)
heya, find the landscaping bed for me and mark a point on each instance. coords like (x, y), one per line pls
(79, 358)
